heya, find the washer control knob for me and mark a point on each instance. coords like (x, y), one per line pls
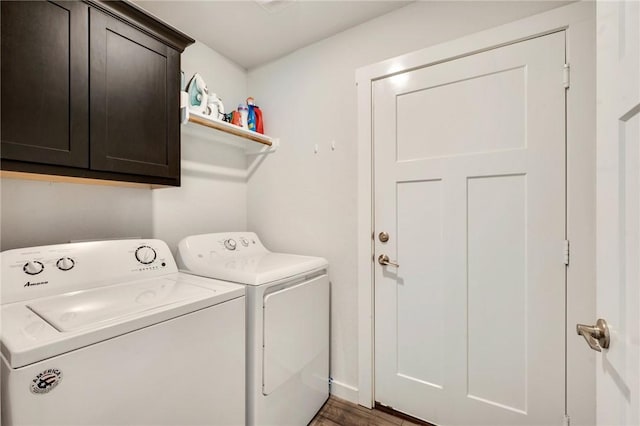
(33, 267)
(65, 263)
(145, 255)
(244, 242)
(230, 244)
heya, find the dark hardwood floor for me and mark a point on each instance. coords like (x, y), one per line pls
(337, 411)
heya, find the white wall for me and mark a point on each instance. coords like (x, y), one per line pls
(38, 213)
(304, 202)
(35, 213)
(212, 198)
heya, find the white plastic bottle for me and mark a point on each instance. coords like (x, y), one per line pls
(220, 109)
(212, 106)
(215, 108)
(244, 115)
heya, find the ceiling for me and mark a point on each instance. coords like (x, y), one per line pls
(252, 33)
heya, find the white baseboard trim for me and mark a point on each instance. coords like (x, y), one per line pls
(344, 391)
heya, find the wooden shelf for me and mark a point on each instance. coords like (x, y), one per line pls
(226, 132)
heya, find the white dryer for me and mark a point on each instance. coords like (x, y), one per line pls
(110, 333)
(287, 322)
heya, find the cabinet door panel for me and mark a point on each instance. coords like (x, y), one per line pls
(45, 82)
(134, 101)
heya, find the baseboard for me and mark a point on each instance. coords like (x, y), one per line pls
(344, 391)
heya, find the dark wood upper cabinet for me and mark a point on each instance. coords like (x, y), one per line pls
(45, 89)
(135, 114)
(90, 89)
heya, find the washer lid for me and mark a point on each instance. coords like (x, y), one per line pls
(42, 328)
(84, 309)
(254, 270)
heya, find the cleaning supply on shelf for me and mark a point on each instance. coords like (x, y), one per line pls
(244, 114)
(251, 116)
(215, 108)
(236, 119)
(221, 113)
(259, 121)
(212, 106)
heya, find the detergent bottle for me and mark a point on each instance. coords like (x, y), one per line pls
(244, 114)
(251, 116)
(212, 106)
(221, 113)
(215, 107)
(259, 120)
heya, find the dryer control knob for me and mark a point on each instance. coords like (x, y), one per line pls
(33, 268)
(230, 244)
(145, 255)
(244, 242)
(65, 263)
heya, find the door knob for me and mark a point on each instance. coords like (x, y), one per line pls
(597, 336)
(383, 259)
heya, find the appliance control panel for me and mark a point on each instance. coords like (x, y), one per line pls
(223, 245)
(234, 243)
(34, 272)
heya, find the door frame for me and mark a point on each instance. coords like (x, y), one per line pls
(577, 20)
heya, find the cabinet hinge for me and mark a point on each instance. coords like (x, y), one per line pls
(566, 252)
(566, 421)
(566, 76)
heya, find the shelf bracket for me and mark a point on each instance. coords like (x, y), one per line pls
(275, 143)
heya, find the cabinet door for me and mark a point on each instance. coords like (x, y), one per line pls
(45, 82)
(134, 90)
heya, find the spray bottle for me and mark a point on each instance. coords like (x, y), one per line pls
(251, 116)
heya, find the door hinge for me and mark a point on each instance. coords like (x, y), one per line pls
(566, 252)
(566, 421)
(566, 76)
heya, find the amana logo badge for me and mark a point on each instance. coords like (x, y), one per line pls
(46, 381)
(31, 284)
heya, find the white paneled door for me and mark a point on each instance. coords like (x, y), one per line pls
(469, 159)
(618, 218)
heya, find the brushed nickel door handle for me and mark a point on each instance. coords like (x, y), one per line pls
(597, 336)
(383, 259)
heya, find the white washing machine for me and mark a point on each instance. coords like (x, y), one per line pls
(287, 322)
(110, 333)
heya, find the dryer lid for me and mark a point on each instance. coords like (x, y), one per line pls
(258, 269)
(241, 258)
